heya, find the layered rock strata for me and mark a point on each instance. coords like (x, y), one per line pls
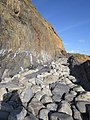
(25, 37)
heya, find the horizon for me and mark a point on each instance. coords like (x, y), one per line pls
(71, 21)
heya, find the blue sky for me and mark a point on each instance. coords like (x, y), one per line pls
(71, 21)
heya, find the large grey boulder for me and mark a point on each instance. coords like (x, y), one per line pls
(65, 108)
(69, 97)
(56, 97)
(44, 114)
(84, 96)
(60, 116)
(76, 114)
(26, 95)
(6, 107)
(17, 114)
(39, 95)
(52, 106)
(60, 89)
(30, 117)
(46, 99)
(47, 91)
(36, 88)
(51, 79)
(82, 106)
(35, 106)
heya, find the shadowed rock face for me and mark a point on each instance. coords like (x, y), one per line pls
(81, 71)
(25, 37)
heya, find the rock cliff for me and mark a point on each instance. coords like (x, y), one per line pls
(81, 71)
(25, 37)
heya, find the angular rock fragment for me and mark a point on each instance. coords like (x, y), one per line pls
(26, 95)
(76, 113)
(60, 116)
(82, 106)
(30, 117)
(44, 114)
(60, 89)
(65, 108)
(52, 106)
(46, 99)
(35, 106)
(85, 96)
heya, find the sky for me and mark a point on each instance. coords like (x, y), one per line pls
(71, 21)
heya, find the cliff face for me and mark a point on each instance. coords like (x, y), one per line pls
(25, 37)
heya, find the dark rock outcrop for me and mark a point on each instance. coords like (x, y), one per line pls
(81, 71)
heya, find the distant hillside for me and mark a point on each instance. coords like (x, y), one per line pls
(81, 57)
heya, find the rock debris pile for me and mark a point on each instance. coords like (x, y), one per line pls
(47, 92)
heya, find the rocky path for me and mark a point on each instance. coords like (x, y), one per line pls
(44, 93)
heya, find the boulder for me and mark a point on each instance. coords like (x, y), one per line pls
(17, 114)
(51, 79)
(6, 107)
(60, 116)
(82, 106)
(69, 97)
(60, 89)
(52, 86)
(67, 81)
(39, 82)
(39, 95)
(46, 99)
(26, 95)
(30, 117)
(52, 106)
(47, 91)
(56, 97)
(85, 96)
(78, 88)
(35, 106)
(65, 108)
(36, 88)
(76, 114)
(44, 114)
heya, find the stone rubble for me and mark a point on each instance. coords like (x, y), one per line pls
(47, 93)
